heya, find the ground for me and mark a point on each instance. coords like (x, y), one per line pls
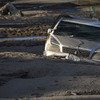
(25, 74)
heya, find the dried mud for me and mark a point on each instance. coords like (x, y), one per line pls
(24, 71)
(38, 17)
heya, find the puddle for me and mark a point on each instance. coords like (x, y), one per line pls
(22, 38)
(68, 10)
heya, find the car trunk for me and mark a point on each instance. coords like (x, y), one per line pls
(78, 47)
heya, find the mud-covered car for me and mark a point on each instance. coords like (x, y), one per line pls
(75, 38)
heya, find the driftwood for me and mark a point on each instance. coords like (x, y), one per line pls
(10, 9)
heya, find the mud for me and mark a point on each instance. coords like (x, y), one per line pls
(38, 17)
(26, 74)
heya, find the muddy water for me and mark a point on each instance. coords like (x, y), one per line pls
(43, 1)
(22, 38)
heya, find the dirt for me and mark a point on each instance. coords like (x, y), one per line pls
(38, 17)
(25, 74)
(21, 27)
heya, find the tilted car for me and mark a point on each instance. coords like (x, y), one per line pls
(75, 38)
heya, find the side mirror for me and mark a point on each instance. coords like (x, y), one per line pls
(49, 30)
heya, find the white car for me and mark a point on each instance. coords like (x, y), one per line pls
(75, 38)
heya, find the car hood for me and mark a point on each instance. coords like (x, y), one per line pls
(77, 43)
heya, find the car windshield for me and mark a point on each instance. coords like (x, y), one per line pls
(78, 31)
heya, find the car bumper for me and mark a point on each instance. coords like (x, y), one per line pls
(69, 57)
(52, 53)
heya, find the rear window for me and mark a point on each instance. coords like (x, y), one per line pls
(78, 31)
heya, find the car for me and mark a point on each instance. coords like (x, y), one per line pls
(75, 38)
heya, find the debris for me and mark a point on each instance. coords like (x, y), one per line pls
(10, 9)
(72, 57)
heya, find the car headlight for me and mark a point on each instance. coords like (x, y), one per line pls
(53, 45)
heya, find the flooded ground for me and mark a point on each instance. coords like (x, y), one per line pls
(25, 74)
(22, 38)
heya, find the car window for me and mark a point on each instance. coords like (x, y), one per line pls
(78, 31)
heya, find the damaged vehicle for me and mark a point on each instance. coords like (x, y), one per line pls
(74, 38)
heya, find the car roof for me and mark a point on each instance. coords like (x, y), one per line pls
(82, 20)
